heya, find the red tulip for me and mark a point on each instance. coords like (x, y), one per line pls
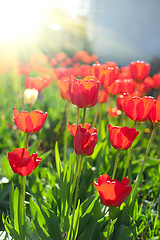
(29, 122)
(121, 138)
(122, 86)
(139, 70)
(119, 101)
(112, 192)
(97, 71)
(85, 141)
(63, 84)
(111, 64)
(141, 89)
(38, 83)
(106, 74)
(125, 73)
(154, 115)
(149, 83)
(73, 128)
(83, 56)
(84, 70)
(114, 112)
(60, 56)
(84, 93)
(53, 62)
(137, 108)
(22, 162)
(110, 75)
(156, 79)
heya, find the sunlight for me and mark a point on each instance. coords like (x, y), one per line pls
(20, 18)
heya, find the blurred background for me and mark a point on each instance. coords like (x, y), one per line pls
(120, 31)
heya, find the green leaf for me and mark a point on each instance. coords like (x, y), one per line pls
(11, 204)
(30, 232)
(41, 231)
(125, 219)
(36, 212)
(46, 154)
(16, 209)
(57, 160)
(98, 228)
(6, 167)
(135, 210)
(85, 205)
(152, 161)
(90, 213)
(52, 223)
(38, 221)
(123, 233)
(97, 150)
(124, 226)
(73, 232)
(10, 229)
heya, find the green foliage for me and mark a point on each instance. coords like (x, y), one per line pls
(50, 189)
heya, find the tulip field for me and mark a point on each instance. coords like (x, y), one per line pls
(79, 149)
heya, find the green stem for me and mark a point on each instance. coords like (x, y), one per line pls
(22, 208)
(27, 138)
(115, 165)
(84, 114)
(73, 179)
(127, 161)
(66, 132)
(78, 179)
(30, 107)
(128, 156)
(97, 110)
(76, 196)
(134, 191)
(22, 215)
(109, 223)
(77, 116)
(99, 129)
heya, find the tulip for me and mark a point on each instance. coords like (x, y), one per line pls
(63, 84)
(98, 71)
(139, 70)
(110, 75)
(85, 141)
(84, 70)
(121, 138)
(125, 73)
(154, 115)
(156, 80)
(29, 122)
(137, 108)
(112, 192)
(105, 73)
(149, 83)
(122, 86)
(114, 112)
(73, 128)
(38, 83)
(119, 101)
(84, 93)
(30, 96)
(22, 162)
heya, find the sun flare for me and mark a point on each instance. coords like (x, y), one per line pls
(21, 18)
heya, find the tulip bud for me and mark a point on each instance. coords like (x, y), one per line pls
(30, 96)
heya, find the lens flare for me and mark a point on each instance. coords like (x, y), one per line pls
(21, 18)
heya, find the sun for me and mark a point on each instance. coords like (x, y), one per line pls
(20, 18)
